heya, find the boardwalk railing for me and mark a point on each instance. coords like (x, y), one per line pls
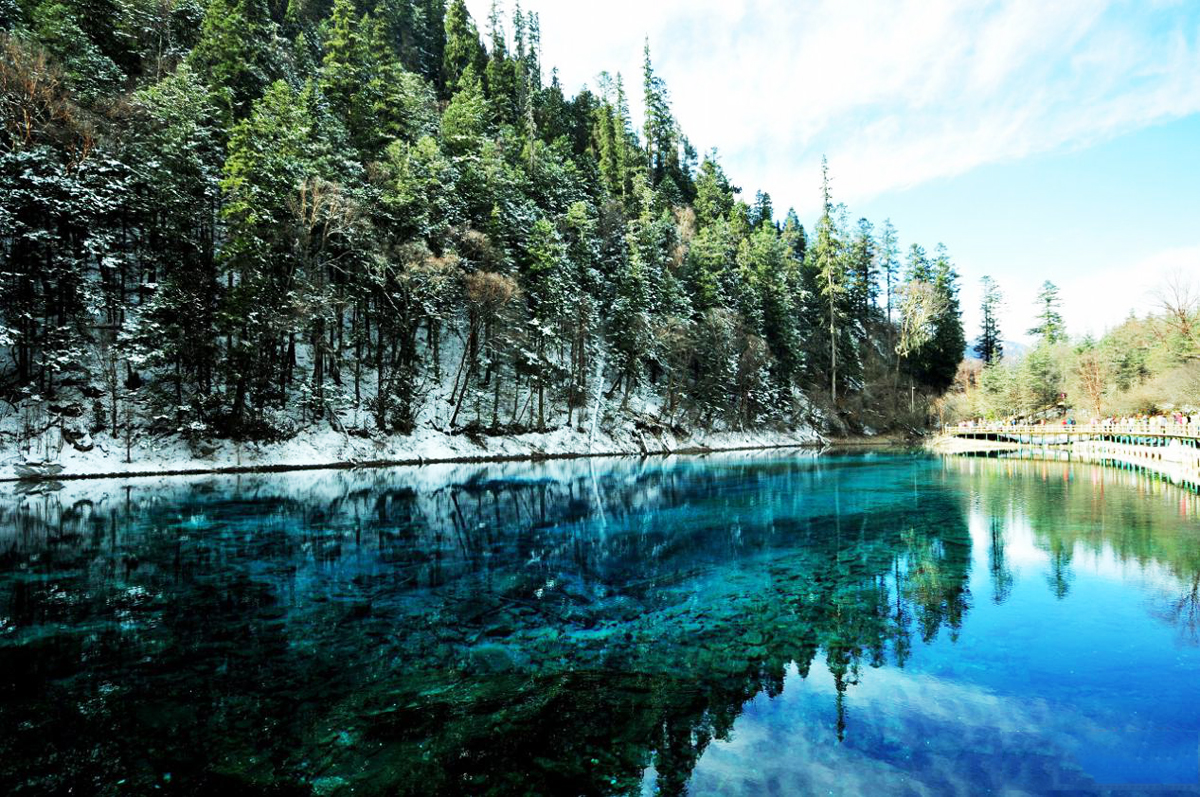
(1131, 433)
(1131, 442)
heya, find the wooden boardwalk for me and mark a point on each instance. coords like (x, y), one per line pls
(1150, 435)
(1131, 442)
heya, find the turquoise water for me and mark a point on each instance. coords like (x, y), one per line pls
(735, 624)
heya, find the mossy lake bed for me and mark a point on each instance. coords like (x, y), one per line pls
(866, 622)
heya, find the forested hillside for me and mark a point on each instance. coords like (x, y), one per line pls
(246, 219)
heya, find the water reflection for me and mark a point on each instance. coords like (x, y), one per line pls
(601, 627)
(1123, 516)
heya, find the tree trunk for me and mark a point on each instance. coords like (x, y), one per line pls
(463, 394)
(832, 355)
(541, 386)
(318, 370)
(380, 386)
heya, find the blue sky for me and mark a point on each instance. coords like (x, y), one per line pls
(1037, 139)
(1107, 223)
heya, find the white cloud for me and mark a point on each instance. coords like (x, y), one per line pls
(788, 744)
(895, 93)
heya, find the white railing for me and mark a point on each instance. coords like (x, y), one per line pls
(1155, 428)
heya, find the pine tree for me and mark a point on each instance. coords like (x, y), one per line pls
(990, 348)
(830, 273)
(629, 325)
(89, 70)
(400, 21)
(496, 34)
(502, 71)
(583, 285)
(346, 72)
(179, 140)
(545, 290)
(431, 23)
(233, 53)
(1050, 328)
(608, 144)
(627, 153)
(709, 257)
(714, 192)
(463, 48)
(658, 134)
(271, 153)
(767, 257)
(762, 213)
(918, 266)
(889, 264)
(465, 120)
(533, 58)
(395, 103)
(863, 289)
(793, 236)
(939, 361)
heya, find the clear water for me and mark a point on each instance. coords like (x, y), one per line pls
(740, 624)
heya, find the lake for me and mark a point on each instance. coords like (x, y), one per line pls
(767, 623)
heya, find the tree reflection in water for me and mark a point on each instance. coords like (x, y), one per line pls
(1135, 515)
(555, 628)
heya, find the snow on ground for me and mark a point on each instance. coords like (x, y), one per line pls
(324, 446)
(328, 448)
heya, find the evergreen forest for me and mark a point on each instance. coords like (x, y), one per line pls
(247, 218)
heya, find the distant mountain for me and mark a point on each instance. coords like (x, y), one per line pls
(1012, 350)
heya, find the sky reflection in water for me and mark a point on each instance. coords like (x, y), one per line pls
(730, 624)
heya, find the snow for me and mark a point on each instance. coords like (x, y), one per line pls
(330, 449)
(622, 426)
